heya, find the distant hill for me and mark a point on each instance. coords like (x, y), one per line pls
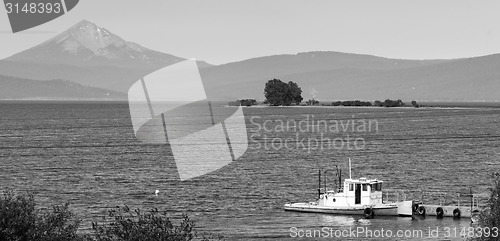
(93, 56)
(474, 79)
(23, 89)
(339, 76)
(247, 78)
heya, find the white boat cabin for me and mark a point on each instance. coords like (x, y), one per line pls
(355, 192)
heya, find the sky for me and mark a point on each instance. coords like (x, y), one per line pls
(222, 31)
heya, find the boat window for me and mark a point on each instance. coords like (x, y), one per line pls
(365, 188)
(379, 187)
(351, 187)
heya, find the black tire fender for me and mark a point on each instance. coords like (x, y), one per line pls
(439, 212)
(457, 213)
(421, 210)
(415, 207)
(369, 214)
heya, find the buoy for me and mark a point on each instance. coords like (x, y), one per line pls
(157, 192)
(439, 212)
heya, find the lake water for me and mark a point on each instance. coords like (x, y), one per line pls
(86, 153)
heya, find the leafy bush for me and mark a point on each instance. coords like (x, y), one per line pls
(20, 221)
(17, 217)
(490, 216)
(150, 226)
(393, 103)
(243, 102)
(351, 103)
(312, 102)
(389, 103)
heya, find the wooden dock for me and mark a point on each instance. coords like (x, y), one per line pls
(445, 211)
(459, 206)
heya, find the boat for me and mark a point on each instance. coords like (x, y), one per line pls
(360, 196)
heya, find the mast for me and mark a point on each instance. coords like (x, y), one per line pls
(350, 177)
(324, 182)
(319, 183)
(339, 175)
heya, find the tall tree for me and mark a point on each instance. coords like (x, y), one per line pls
(278, 92)
(295, 92)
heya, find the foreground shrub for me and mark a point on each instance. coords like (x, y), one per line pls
(20, 221)
(149, 226)
(490, 216)
(17, 217)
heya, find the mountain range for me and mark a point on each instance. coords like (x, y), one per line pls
(92, 56)
(23, 89)
(340, 76)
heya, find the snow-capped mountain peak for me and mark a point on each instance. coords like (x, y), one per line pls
(86, 43)
(88, 35)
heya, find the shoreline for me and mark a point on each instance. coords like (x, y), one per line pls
(425, 105)
(433, 106)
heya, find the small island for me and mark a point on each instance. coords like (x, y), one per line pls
(279, 93)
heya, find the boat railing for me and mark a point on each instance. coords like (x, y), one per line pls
(393, 195)
(475, 201)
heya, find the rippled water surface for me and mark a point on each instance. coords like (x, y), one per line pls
(88, 154)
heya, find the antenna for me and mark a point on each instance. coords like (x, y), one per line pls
(319, 183)
(339, 175)
(350, 177)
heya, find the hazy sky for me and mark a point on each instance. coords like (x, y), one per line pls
(221, 31)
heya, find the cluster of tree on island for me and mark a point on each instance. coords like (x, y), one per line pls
(352, 103)
(386, 103)
(279, 93)
(243, 102)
